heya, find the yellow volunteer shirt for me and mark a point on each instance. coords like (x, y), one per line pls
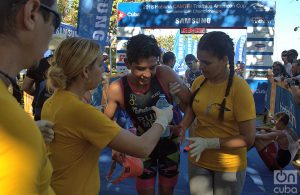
(24, 166)
(81, 131)
(239, 107)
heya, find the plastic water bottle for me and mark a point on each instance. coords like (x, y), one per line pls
(163, 103)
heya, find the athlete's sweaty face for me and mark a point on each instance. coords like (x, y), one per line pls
(144, 69)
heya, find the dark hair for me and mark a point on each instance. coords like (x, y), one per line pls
(282, 69)
(167, 57)
(284, 53)
(292, 55)
(297, 62)
(9, 10)
(190, 57)
(277, 63)
(220, 45)
(142, 46)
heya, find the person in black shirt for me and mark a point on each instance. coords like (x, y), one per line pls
(32, 84)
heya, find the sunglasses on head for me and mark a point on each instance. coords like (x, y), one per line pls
(56, 19)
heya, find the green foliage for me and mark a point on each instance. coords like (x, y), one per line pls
(166, 42)
(69, 13)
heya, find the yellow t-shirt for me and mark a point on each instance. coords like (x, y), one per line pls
(239, 107)
(81, 131)
(24, 166)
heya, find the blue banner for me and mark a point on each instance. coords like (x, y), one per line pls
(68, 30)
(240, 49)
(268, 96)
(195, 46)
(179, 45)
(197, 14)
(93, 20)
(259, 90)
(285, 103)
(189, 45)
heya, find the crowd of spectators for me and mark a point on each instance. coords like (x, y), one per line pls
(287, 72)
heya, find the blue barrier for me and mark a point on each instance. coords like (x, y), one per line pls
(259, 91)
(284, 102)
(268, 96)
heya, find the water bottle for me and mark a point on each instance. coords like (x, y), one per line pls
(163, 103)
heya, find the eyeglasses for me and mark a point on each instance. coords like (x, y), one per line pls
(57, 19)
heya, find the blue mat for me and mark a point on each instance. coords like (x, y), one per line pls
(259, 180)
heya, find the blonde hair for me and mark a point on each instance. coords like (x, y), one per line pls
(71, 56)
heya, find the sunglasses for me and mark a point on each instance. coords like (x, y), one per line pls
(57, 19)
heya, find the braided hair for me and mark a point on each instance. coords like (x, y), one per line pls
(220, 45)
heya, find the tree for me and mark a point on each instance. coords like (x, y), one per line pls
(166, 42)
(69, 11)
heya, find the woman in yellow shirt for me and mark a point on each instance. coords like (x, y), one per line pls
(225, 120)
(81, 130)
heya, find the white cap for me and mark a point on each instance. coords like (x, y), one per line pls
(105, 54)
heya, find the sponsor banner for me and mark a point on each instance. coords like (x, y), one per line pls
(128, 31)
(179, 51)
(260, 32)
(122, 69)
(192, 30)
(197, 14)
(259, 60)
(120, 57)
(268, 96)
(123, 35)
(284, 102)
(93, 20)
(121, 44)
(66, 29)
(240, 49)
(259, 91)
(189, 45)
(260, 46)
(195, 46)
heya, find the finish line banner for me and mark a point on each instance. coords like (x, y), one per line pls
(197, 14)
(93, 20)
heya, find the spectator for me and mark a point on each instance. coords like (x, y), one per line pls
(25, 31)
(169, 59)
(277, 146)
(193, 70)
(278, 71)
(291, 56)
(32, 85)
(296, 64)
(284, 57)
(239, 70)
(34, 81)
(81, 130)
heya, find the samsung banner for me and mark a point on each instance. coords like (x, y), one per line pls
(93, 19)
(197, 14)
(66, 29)
(285, 103)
